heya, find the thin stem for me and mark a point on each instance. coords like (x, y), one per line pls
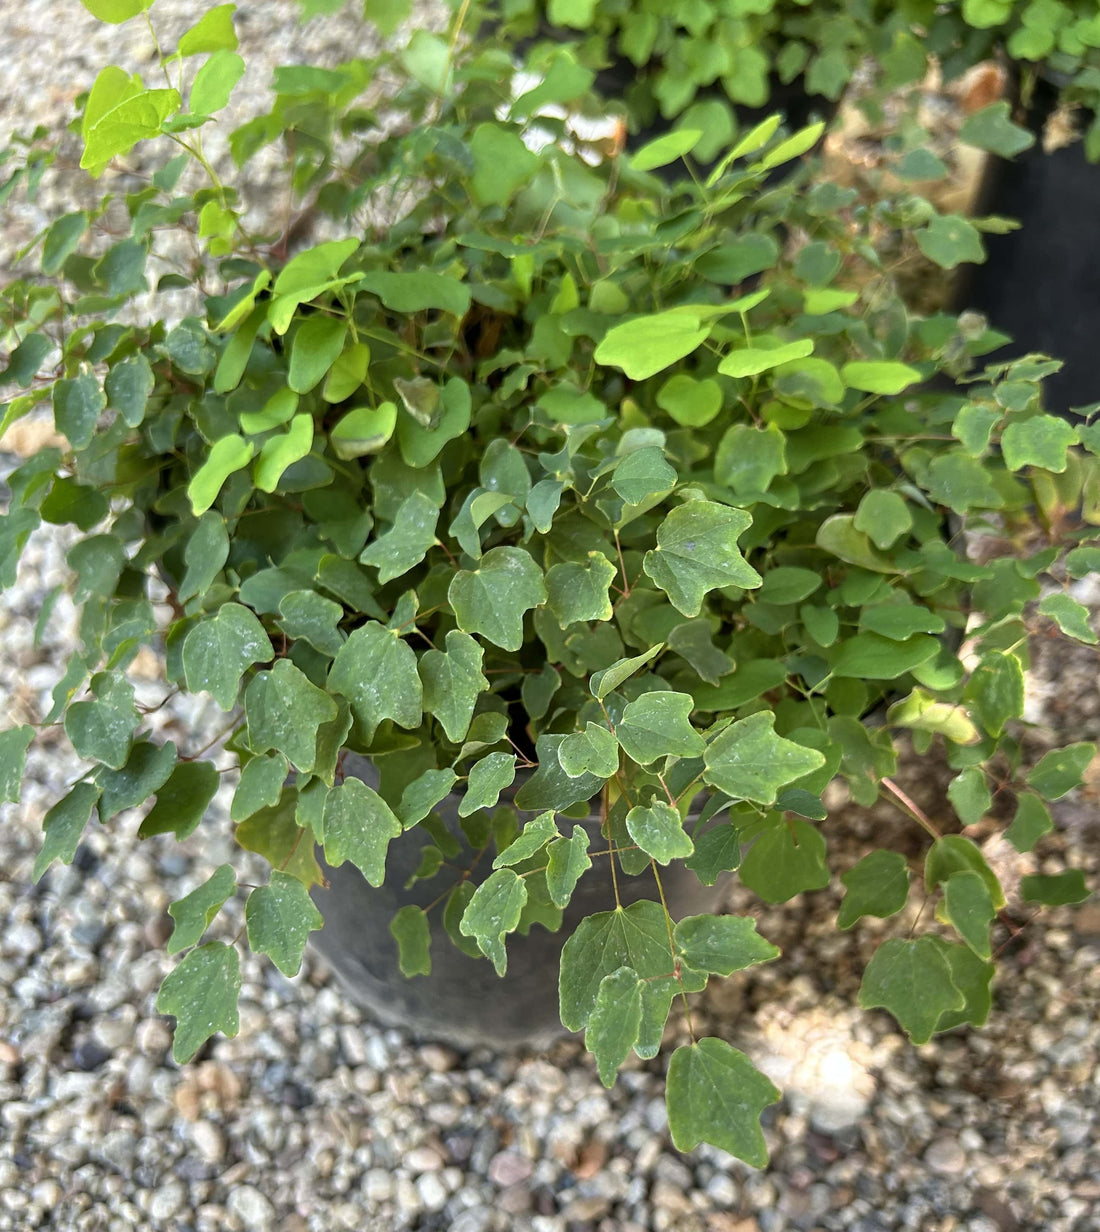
(911, 807)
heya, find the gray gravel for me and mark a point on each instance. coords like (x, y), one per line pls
(315, 1119)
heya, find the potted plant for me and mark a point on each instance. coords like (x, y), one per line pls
(511, 490)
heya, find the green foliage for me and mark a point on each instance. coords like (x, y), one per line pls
(523, 495)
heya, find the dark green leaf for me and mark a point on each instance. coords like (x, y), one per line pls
(13, 756)
(614, 1023)
(358, 825)
(579, 592)
(201, 994)
(716, 1095)
(206, 552)
(77, 406)
(659, 831)
(716, 852)
(877, 885)
(787, 859)
(749, 761)
(912, 980)
(656, 725)
(967, 905)
(1061, 770)
(697, 552)
(194, 911)
(182, 800)
(452, 681)
(1031, 822)
(376, 671)
(721, 944)
(219, 650)
(1056, 889)
(532, 839)
(493, 912)
(410, 929)
(406, 543)
(279, 917)
(285, 712)
(567, 862)
(493, 599)
(63, 826)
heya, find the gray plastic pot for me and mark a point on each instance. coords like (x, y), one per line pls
(463, 1002)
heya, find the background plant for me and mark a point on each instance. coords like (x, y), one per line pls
(555, 479)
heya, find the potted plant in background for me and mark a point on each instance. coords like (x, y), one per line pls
(514, 492)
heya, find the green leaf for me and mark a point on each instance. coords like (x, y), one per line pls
(318, 341)
(788, 584)
(748, 459)
(182, 800)
(284, 712)
(879, 376)
(721, 944)
(202, 994)
(502, 164)
(418, 291)
(376, 671)
(949, 240)
(13, 757)
(870, 656)
(749, 761)
(995, 691)
(877, 885)
(102, 730)
(550, 787)
(715, 1094)
(117, 116)
(615, 1022)
(1031, 822)
(423, 794)
(697, 552)
(194, 911)
(973, 427)
(363, 430)
(609, 679)
(970, 795)
(664, 149)
(643, 476)
(77, 405)
(407, 542)
(116, 11)
(227, 455)
(991, 129)
(358, 825)
(883, 516)
(493, 599)
(206, 552)
(279, 917)
(128, 385)
(493, 912)
(146, 771)
(452, 681)
(752, 360)
(579, 592)
(282, 450)
(314, 619)
(634, 936)
(63, 827)
(838, 534)
(348, 372)
(592, 751)
(912, 980)
(410, 929)
(899, 621)
(532, 839)
(62, 240)
(793, 146)
(1042, 441)
(968, 906)
(219, 650)
(954, 853)
(1061, 770)
(972, 977)
(646, 345)
(567, 862)
(1056, 889)
(214, 82)
(212, 32)
(691, 402)
(659, 831)
(716, 852)
(1070, 616)
(787, 859)
(276, 834)
(656, 725)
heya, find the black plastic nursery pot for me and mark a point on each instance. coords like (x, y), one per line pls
(1041, 284)
(463, 1002)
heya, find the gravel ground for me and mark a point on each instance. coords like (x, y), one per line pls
(315, 1119)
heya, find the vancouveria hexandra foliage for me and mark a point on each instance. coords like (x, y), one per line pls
(703, 60)
(562, 485)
